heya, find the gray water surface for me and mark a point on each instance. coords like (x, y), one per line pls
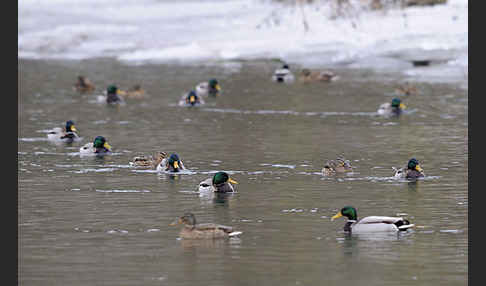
(91, 221)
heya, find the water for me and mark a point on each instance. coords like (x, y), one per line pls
(90, 221)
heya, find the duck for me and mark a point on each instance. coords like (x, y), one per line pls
(68, 135)
(308, 76)
(148, 161)
(340, 165)
(210, 87)
(406, 89)
(191, 99)
(134, 92)
(113, 95)
(99, 146)
(394, 108)
(371, 224)
(172, 164)
(283, 74)
(192, 230)
(411, 171)
(219, 183)
(83, 85)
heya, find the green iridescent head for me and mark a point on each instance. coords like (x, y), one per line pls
(348, 211)
(221, 178)
(112, 89)
(413, 164)
(100, 142)
(396, 102)
(70, 126)
(174, 161)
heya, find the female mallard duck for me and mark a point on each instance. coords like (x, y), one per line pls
(191, 230)
(283, 75)
(307, 76)
(148, 161)
(219, 183)
(339, 165)
(191, 99)
(411, 171)
(371, 224)
(394, 108)
(98, 147)
(83, 85)
(171, 164)
(210, 87)
(406, 89)
(135, 92)
(68, 135)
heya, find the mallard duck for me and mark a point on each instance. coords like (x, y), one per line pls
(371, 224)
(219, 183)
(191, 230)
(171, 164)
(283, 75)
(135, 92)
(411, 171)
(340, 165)
(394, 108)
(83, 85)
(210, 87)
(68, 135)
(307, 76)
(98, 147)
(113, 95)
(191, 99)
(148, 161)
(406, 89)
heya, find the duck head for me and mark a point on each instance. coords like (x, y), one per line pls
(192, 98)
(413, 164)
(188, 219)
(112, 89)
(101, 145)
(348, 211)
(214, 86)
(221, 178)
(174, 163)
(70, 126)
(397, 103)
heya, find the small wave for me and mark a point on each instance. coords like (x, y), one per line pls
(123, 191)
(83, 171)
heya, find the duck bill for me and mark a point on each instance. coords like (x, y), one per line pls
(338, 215)
(176, 165)
(73, 128)
(217, 87)
(402, 106)
(176, 222)
(418, 168)
(192, 99)
(107, 146)
(120, 92)
(232, 181)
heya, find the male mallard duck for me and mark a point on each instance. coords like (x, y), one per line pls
(83, 85)
(68, 135)
(135, 92)
(98, 147)
(191, 230)
(210, 87)
(113, 95)
(411, 171)
(371, 223)
(394, 108)
(283, 75)
(307, 76)
(191, 99)
(219, 183)
(148, 161)
(171, 164)
(339, 165)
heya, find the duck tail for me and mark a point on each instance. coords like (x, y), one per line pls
(234, 233)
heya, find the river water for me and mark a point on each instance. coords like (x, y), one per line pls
(91, 221)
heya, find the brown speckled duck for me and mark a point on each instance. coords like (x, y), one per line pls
(191, 230)
(308, 76)
(148, 161)
(340, 165)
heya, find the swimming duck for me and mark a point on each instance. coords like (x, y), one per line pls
(171, 164)
(406, 89)
(83, 85)
(371, 224)
(191, 99)
(219, 183)
(113, 95)
(191, 230)
(394, 108)
(135, 92)
(340, 165)
(411, 171)
(307, 76)
(283, 75)
(68, 135)
(98, 147)
(210, 87)
(148, 161)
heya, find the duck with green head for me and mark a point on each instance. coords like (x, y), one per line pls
(191, 99)
(192, 230)
(371, 224)
(413, 170)
(393, 108)
(113, 95)
(98, 147)
(211, 88)
(172, 164)
(219, 183)
(68, 135)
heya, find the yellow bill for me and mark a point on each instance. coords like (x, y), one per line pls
(176, 222)
(120, 92)
(107, 146)
(217, 87)
(402, 106)
(232, 181)
(338, 215)
(176, 165)
(192, 99)
(73, 128)
(418, 168)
